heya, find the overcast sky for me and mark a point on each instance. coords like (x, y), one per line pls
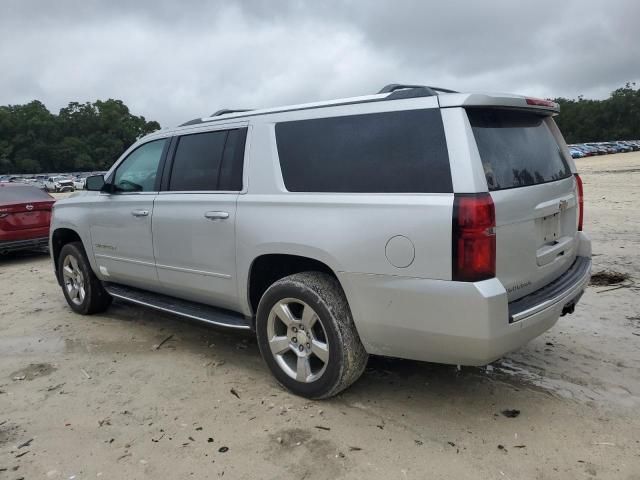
(172, 61)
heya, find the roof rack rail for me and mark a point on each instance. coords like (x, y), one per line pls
(396, 91)
(224, 111)
(195, 121)
(392, 87)
(399, 90)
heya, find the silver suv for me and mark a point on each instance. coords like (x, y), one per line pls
(419, 223)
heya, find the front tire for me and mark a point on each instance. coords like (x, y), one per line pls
(82, 289)
(307, 336)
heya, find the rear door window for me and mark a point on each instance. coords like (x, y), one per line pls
(390, 152)
(209, 161)
(517, 148)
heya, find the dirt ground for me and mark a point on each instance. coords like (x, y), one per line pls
(90, 397)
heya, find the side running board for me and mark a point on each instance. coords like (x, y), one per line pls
(184, 308)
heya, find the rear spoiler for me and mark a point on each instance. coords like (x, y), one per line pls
(498, 101)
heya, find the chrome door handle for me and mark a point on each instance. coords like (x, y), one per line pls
(216, 215)
(140, 213)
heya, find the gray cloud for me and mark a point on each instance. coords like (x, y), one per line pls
(174, 61)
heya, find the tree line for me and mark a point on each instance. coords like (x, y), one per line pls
(81, 137)
(614, 118)
(91, 136)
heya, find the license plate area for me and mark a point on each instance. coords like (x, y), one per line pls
(549, 229)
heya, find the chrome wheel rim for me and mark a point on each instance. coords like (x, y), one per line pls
(73, 280)
(298, 340)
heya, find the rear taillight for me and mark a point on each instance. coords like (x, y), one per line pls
(474, 237)
(580, 201)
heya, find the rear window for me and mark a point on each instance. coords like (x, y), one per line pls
(517, 148)
(22, 194)
(391, 152)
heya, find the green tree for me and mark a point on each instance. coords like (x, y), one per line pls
(614, 118)
(82, 136)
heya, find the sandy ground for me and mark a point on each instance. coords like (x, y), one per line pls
(89, 397)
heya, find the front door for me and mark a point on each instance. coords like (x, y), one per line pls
(121, 223)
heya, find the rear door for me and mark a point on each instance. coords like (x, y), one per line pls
(194, 217)
(534, 193)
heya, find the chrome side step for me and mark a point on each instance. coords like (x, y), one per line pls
(183, 308)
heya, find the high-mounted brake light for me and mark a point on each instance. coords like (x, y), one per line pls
(474, 237)
(539, 102)
(580, 201)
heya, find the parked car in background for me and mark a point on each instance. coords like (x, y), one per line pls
(576, 152)
(25, 214)
(59, 184)
(618, 148)
(585, 151)
(634, 146)
(601, 147)
(78, 182)
(590, 150)
(624, 146)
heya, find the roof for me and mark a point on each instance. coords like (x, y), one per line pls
(393, 91)
(446, 98)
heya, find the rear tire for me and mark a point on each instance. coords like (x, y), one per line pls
(82, 289)
(307, 336)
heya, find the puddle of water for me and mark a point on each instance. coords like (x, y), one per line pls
(515, 372)
(521, 375)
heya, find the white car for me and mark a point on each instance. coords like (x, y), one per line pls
(78, 183)
(59, 184)
(418, 223)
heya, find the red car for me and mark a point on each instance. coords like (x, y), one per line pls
(25, 214)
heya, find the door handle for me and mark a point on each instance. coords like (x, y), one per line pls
(216, 215)
(140, 213)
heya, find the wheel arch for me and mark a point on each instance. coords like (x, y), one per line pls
(59, 238)
(267, 268)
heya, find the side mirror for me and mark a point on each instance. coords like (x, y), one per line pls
(94, 183)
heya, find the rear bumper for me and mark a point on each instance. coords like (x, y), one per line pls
(456, 322)
(561, 292)
(32, 243)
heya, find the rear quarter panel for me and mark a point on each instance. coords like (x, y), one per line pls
(347, 232)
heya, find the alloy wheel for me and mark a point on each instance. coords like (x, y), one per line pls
(73, 280)
(297, 339)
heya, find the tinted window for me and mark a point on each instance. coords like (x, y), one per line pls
(137, 173)
(517, 148)
(391, 152)
(209, 161)
(197, 160)
(22, 194)
(233, 160)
